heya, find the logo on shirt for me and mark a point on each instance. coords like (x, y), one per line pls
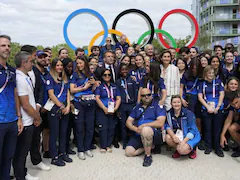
(48, 82)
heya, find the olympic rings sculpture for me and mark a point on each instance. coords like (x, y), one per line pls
(160, 33)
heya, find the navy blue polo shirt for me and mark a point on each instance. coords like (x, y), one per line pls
(7, 101)
(227, 73)
(207, 89)
(51, 84)
(123, 47)
(127, 86)
(80, 81)
(150, 86)
(151, 114)
(139, 74)
(105, 97)
(190, 85)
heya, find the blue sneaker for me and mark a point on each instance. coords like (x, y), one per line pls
(66, 158)
(58, 162)
(147, 161)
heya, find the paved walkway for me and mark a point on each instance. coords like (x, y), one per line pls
(115, 165)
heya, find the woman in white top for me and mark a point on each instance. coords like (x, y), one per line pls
(170, 74)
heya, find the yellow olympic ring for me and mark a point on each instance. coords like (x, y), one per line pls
(110, 31)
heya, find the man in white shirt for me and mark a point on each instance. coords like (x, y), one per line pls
(30, 116)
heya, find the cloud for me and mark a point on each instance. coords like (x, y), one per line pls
(40, 22)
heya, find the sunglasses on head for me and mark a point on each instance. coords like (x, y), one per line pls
(146, 95)
(105, 75)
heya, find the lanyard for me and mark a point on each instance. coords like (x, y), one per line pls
(44, 81)
(139, 75)
(125, 86)
(29, 83)
(5, 84)
(86, 80)
(109, 92)
(61, 91)
(204, 91)
(194, 85)
(148, 86)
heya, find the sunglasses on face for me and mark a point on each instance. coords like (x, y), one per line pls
(105, 75)
(109, 40)
(146, 95)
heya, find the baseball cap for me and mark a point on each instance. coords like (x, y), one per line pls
(40, 52)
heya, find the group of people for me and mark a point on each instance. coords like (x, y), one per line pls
(120, 93)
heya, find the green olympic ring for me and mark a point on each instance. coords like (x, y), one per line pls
(166, 34)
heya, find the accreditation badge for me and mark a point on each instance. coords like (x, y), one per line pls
(111, 107)
(179, 134)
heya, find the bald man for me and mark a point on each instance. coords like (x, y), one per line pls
(146, 120)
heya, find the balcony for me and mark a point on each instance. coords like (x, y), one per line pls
(224, 2)
(226, 32)
(226, 17)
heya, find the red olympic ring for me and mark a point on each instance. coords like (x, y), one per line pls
(191, 19)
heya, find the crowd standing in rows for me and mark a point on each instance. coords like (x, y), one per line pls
(120, 93)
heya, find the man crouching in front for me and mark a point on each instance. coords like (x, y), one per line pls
(146, 121)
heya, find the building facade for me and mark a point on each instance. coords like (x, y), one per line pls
(219, 18)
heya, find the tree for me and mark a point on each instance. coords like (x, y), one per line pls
(204, 40)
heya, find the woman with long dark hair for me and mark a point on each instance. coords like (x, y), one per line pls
(170, 74)
(154, 83)
(188, 87)
(82, 86)
(216, 64)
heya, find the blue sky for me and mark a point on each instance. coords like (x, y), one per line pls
(40, 22)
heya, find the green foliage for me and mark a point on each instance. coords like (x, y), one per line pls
(204, 40)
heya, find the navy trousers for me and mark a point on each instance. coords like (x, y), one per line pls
(8, 141)
(125, 110)
(58, 131)
(212, 127)
(84, 123)
(23, 147)
(35, 147)
(106, 126)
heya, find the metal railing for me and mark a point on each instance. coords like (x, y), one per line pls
(226, 31)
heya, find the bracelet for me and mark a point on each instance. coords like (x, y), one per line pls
(19, 116)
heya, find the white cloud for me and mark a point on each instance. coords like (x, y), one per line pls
(40, 22)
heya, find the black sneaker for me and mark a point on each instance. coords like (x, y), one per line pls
(147, 161)
(226, 148)
(116, 145)
(207, 151)
(219, 153)
(201, 147)
(71, 152)
(237, 153)
(58, 162)
(66, 158)
(93, 147)
(46, 155)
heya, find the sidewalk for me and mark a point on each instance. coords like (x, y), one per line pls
(116, 165)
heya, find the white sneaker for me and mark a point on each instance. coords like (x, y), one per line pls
(89, 153)
(29, 177)
(81, 155)
(42, 166)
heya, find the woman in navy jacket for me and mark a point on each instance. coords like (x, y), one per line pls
(182, 132)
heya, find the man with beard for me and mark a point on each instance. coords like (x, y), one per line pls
(10, 115)
(145, 120)
(36, 76)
